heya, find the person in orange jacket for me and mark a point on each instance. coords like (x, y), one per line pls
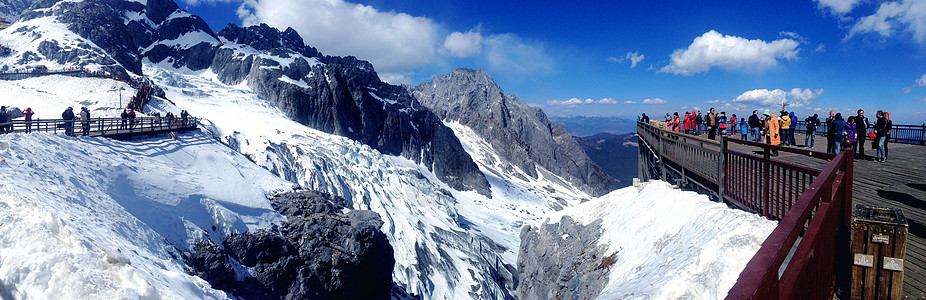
(772, 130)
(674, 123)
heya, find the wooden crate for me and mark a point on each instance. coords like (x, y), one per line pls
(879, 240)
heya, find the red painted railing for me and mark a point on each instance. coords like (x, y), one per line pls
(811, 272)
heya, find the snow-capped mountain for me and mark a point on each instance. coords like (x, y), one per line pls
(522, 134)
(451, 196)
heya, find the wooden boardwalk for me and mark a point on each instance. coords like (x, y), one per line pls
(899, 182)
(107, 127)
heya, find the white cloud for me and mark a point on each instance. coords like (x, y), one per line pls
(395, 78)
(775, 98)
(393, 42)
(838, 7)
(922, 81)
(903, 15)
(794, 36)
(576, 101)
(634, 58)
(509, 53)
(206, 2)
(647, 101)
(820, 48)
(907, 90)
(463, 44)
(713, 49)
(715, 101)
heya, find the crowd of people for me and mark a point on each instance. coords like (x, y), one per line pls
(779, 129)
(69, 118)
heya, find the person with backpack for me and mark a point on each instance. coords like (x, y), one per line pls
(839, 132)
(785, 124)
(744, 129)
(722, 123)
(698, 123)
(85, 120)
(68, 117)
(887, 136)
(812, 123)
(28, 113)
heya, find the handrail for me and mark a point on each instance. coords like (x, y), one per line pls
(900, 133)
(795, 195)
(108, 127)
(831, 195)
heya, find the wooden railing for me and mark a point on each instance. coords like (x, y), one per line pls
(110, 127)
(811, 272)
(794, 195)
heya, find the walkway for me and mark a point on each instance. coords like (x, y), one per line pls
(899, 182)
(109, 127)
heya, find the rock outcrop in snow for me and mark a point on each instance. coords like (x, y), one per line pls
(10, 9)
(319, 252)
(522, 134)
(658, 242)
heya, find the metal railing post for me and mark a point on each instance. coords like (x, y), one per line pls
(721, 169)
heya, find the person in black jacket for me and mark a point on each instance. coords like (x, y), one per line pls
(861, 126)
(881, 129)
(125, 119)
(831, 133)
(755, 126)
(812, 123)
(3, 119)
(645, 119)
(68, 116)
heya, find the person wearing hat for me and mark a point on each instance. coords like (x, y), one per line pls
(68, 116)
(785, 124)
(772, 130)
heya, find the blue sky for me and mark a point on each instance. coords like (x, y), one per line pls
(621, 58)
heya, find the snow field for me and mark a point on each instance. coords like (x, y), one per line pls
(671, 244)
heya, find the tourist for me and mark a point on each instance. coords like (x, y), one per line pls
(674, 123)
(698, 121)
(831, 133)
(839, 132)
(785, 124)
(184, 115)
(861, 126)
(772, 131)
(792, 128)
(3, 120)
(733, 125)
(125, 119)
(812, 123)
(28, 113)
(645, 119)
(744, 129)
(881, 129)
(851, 134)
(722, 123)
(887, 136)
(686, 122)
(131, 120)
(755, 125)
(68, 117)
(711, 121)
(85, 120)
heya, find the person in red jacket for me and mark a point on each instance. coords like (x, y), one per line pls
(686, 123)
(674, 123)
(28, 113)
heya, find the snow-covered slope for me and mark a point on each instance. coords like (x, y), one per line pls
(655, 243)
(448, 244)
(89, 218)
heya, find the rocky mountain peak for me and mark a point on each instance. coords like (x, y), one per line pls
(265, 38)
(522, 133)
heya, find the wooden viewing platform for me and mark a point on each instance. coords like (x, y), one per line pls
(106, 127)
(900, 182)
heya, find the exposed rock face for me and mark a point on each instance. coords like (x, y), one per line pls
(562, 261)
(318, 253)
(522, 134)
(344, 96)
(10, 9)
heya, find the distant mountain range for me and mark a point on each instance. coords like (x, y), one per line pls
(615, 153)
(589, 125)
